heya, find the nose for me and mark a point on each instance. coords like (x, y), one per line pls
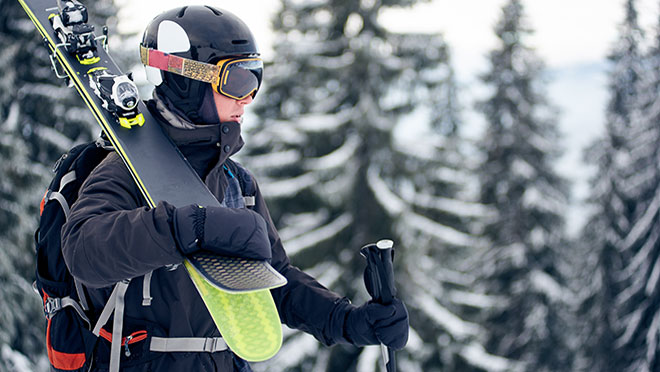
(246, 101)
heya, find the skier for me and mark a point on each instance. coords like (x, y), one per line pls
(111, 236)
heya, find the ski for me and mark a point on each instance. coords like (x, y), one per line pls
(235, 291)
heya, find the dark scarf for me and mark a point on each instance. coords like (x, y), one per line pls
(205, 145)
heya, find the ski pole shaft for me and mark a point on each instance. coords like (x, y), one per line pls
(379, 261)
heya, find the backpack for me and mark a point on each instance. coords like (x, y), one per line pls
(69, 339)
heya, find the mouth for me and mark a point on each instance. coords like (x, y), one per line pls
(238, 118)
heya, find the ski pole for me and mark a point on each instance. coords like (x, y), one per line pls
(379, 263)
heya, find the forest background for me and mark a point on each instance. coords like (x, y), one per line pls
(516, 249)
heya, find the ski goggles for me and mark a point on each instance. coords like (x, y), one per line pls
(236, 78)
(239, 77)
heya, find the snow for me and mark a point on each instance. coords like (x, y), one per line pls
(295, 349)
(338, 158)
(415, 343)
(322, 122)
(335, 189)
(331, 97)
(45, 90)
(288, 187)
(644, 223)
(546, 145)
(644, 252)
(326, 273)
(535, 197)
(653, 279)
(397, 207)
(652, 337)
(388, 200)
(273, 159)
(635, 286)
(450, 175)
(477, 356)
(299, 224)
(441, 232)
(342, 61)
(632, 321)
(313, 237)
(16, 361)
(425, 268)
(544, 283)
(48, 134)
(472, 299)
(368, 358)
(11, 122)
(522, 168)
(285, 133)
(457, 327)
(452, 206)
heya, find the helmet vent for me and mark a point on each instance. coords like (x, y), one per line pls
(240, 42)
(215, 11)
(182, 12)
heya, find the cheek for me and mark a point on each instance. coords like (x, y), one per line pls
(223, 108)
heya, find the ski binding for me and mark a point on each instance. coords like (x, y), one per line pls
(70, 25)
(119, 95)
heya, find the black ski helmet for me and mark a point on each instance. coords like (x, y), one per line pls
(201, 33)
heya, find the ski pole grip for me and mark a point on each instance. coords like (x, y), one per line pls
(386, 270)
(379, 260)
(379, 263)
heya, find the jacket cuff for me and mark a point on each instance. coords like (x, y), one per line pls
(337, 323)
(188, 227)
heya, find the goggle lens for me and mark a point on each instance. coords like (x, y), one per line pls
(239, 78)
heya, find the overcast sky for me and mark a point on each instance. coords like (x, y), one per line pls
(571, 36)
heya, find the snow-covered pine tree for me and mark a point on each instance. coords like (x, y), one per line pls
(524, 264)
(40, 118)
(342, 100)
(19, 306)
(612, 221)
(428, 189)
(638, 311)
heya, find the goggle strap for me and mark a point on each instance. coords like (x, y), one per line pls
(189, 68)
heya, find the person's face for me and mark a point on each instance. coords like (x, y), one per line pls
(230, 109)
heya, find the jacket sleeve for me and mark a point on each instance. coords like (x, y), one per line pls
(109, 235)
(304, 303)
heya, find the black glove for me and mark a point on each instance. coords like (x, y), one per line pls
(373, 324)
(225, 231)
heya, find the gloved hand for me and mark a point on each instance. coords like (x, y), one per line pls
(225, 231)
(373, 323)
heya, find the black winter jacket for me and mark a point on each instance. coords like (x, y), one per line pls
(111, 235)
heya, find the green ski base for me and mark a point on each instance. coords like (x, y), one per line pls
(246, 322)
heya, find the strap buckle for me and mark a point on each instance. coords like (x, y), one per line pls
(52, 306)
(211, 344)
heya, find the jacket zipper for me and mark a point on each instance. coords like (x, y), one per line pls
(126, 341)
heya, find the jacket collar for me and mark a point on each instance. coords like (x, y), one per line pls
(183, 132)
(205, 146)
